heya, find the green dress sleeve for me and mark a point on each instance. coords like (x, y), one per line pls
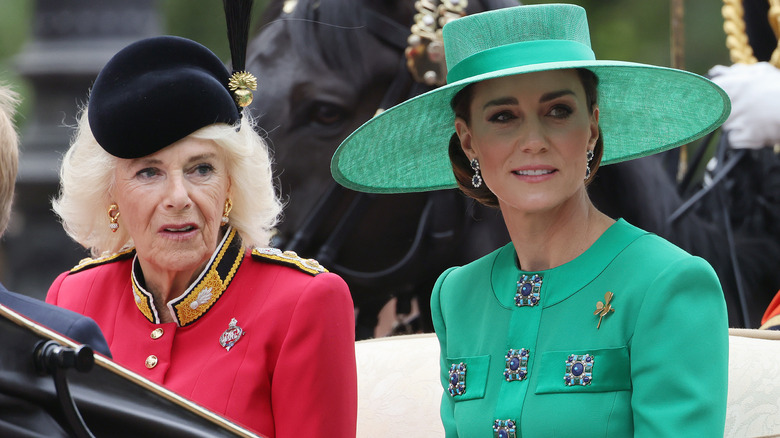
(679, 355)
(447, 403)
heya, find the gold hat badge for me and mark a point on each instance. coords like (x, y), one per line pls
(242, 84)
(603, 309)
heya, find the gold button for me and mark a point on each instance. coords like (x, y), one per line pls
(151, 361)
(156, 333)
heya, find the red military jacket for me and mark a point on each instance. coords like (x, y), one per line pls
(262, 337)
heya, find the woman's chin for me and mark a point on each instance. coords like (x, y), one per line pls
(179, 259)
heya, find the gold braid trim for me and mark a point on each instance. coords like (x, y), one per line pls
(774, 21)
(736, 37)
(88, 262)
(288, 258)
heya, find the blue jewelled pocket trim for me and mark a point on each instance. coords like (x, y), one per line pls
(504, 429)
(528, 290)
(457, 379)
(579, 370)
(474, 377)
(516, 365)
(611, 370)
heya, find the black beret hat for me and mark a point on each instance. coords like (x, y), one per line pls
(157, 91)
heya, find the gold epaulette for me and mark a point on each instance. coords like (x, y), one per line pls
(288, 258)
(89, 262)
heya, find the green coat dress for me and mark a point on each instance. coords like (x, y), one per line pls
(524, 356)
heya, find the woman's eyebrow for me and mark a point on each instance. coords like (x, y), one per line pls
(204, 156)
(146, 161)
(501, 101)
(555, 94)
(512, 101)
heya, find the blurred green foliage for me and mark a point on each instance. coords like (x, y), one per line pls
(15, 29)
(203, 21)
(15, 16)
(640, 31)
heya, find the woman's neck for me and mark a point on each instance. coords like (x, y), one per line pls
(544, 240)
(165, 285)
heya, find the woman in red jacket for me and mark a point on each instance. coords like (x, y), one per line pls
(172, 191)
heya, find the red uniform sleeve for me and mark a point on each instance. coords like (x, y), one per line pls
(52, 297)
(314, 388)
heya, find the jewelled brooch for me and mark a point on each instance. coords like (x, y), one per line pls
(457, 379)
(231, 335)
(528, 290)
(504, 429)
(579, 370)
(516, 365)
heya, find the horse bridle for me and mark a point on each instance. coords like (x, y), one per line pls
(436, 221)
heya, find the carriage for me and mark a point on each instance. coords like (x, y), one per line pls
(394, 246)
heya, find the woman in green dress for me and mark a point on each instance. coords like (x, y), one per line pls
(582, 324)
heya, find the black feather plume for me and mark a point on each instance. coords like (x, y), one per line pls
(238, 14)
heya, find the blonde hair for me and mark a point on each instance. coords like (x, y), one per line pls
(87, 178)
(9, 153)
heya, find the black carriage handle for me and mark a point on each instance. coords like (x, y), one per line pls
(52, 358)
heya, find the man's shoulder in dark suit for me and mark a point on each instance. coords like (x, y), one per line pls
(77, 327)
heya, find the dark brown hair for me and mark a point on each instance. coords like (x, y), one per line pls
(461, 166)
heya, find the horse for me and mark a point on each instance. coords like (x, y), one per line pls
(325, 67)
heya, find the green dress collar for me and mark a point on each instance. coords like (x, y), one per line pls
(569, 277)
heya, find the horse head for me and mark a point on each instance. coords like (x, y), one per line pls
(322, 73)
(324, 68)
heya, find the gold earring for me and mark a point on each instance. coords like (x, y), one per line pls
(226, 211)
(113, 217)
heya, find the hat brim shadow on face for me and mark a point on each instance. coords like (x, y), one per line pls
(644, 110)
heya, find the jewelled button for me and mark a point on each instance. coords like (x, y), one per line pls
(516, 365)
(528, 290)
(504, 429)
(579, 370)
(457, 379)
(157, 333)
(151, 361)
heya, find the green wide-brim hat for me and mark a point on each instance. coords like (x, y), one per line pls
(644, 109)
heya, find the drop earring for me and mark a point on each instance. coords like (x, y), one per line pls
(113, 217)
(587, 166)
(226, 211)
(476, 180)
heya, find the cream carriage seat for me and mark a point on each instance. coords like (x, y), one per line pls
(399, 391)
